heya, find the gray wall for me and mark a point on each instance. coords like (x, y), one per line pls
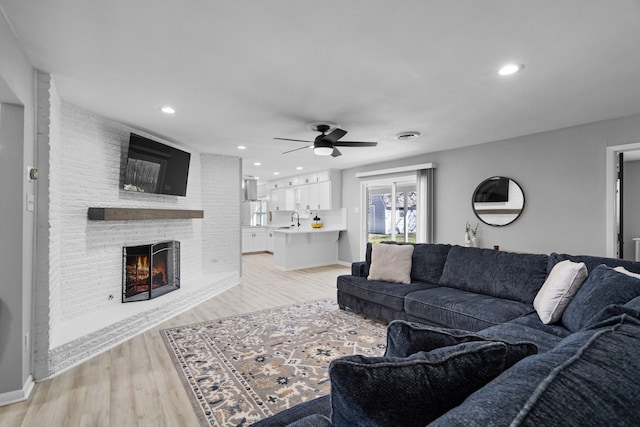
(631, 212)
(562, 174)
(17, 148)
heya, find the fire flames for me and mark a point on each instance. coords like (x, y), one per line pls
(138, 273)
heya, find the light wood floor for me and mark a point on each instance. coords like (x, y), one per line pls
(135, 383)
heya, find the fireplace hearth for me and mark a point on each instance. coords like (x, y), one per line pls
(150, 271)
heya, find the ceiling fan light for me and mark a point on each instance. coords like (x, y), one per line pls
(322, 151)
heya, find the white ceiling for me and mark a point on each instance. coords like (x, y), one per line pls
(245, 71)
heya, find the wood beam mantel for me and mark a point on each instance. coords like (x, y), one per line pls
(129, 214)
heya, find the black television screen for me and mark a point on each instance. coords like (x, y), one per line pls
(153, 167)
(493, 190)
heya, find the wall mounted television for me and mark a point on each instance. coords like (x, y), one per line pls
(493, 190)
(157, 168)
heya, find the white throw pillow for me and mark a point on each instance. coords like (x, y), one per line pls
(627, 272)
(558, 290)
(391, 263)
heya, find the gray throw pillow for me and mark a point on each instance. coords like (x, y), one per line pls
(391, 263)
(411, 391)
(603, 287)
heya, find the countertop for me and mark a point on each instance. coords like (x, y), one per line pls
(300, 230)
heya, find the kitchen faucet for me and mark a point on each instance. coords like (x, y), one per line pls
(297, 217)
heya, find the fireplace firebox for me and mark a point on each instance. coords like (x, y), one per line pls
(150, 271)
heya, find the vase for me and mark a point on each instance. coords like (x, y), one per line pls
(474, 242)
(467, 240)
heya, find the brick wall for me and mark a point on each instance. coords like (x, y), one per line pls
(94, 151)
(221, 203)
(82, 281)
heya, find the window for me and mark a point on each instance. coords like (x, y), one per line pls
(398, 206)
(391, 212)
(259, 212)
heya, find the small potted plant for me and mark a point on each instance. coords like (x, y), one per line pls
(470, 235)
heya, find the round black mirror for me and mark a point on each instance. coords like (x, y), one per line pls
(498, 201)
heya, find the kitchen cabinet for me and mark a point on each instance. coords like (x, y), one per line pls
(302, 197)
(314, 197)
(283, 200)
(269, 239)
(275, 197)
(316, 191)
(254, 239)
(315, 177)
(319, 196)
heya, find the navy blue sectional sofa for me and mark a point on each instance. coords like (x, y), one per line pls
(584, 370)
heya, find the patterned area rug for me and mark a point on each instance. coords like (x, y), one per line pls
(244, 368)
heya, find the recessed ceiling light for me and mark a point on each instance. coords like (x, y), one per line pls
(299, 168)
(276, 173)
(257, 164)
(168, 110)
(509, 69)
(241, 147)
(403, 136)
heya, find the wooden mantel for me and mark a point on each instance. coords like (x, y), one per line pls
(128, 214)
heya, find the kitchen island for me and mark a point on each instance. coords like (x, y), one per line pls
(300, 247)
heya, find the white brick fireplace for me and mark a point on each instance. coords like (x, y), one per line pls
(78, 309)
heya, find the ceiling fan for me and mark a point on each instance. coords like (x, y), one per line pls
(326, 143)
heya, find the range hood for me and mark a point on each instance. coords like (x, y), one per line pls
(250, 189)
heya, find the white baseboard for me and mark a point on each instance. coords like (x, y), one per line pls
(15, 396)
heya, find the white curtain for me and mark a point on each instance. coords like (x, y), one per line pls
(425, 229)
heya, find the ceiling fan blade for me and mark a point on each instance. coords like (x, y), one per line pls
(336, 152)
(355, 144)
(296, 149)
(334, 135)
(288, 139)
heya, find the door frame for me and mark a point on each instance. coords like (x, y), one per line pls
(364, 202)
(610, 194)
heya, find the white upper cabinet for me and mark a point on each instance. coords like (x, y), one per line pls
(282, 200)
(315, 191)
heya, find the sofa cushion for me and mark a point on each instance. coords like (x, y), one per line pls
(315, 420)
(558, 290)
(632, 308)
(603, 287)
(532, 320)
(407, 338)
(391, 263)
(500, 274)
(357, 269)
(515, 332)
(590, 378)
(374, 390)
(621, 269)
(593, 261)
(384, 293)
(634, 304)
(320, 406)
(454, 308)
(428, 261)
(426, 264)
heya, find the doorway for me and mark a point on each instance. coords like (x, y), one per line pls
(623, 201)
(391, 212)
